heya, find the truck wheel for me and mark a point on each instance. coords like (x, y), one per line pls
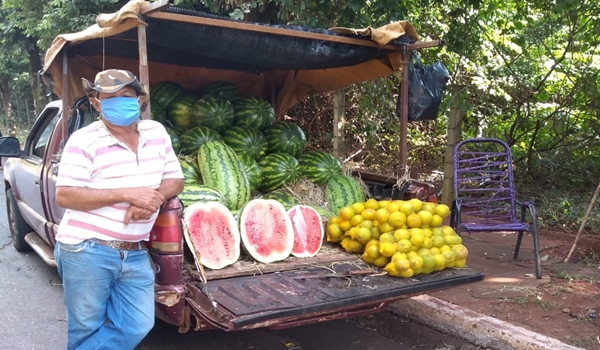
(18, 226)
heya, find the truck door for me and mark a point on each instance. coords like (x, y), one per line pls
(33, 164)
(83, 114)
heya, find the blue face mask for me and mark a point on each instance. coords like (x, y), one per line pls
(120, 111)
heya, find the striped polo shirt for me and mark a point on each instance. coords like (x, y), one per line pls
(93, 158)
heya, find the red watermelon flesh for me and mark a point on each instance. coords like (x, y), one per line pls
(308, 231)
(266, 230)
(212, 232)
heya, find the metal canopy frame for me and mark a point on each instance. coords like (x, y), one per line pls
(153, 11)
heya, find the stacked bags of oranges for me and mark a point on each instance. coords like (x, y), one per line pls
(405, 238)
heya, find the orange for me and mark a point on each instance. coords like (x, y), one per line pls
(345, 225)
(356, 220)
(381, 261)
(460, 251)
(358, 207)
(367, 224)
(382, 215)
(460, 263)
(408, 273)
(387, 248)
(428, 261)
(413, 220)
(417, 204)
(401, 234)
(448, 230)
(404, 246)
(436, 221)
(450, 257)
(397, 219)
(437, 231)
(383, 203)
(346, 213)
(426, 232)
(417, 239)
(372, 203)
(402, 264)
(425, 217)
(352, 246)
(429, 207)
(393, 207)
(334, 233)
(416, 262)
(437, 241)
(368, 214)
(442, 210)
(375, 232)
(386, 237)
(334, 220)
(427, 243)
(363, 235)
(372, 251)
(386, 227)
(440, 262)
(407, 208)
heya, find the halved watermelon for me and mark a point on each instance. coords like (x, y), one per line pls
(266, 230)
(212, 234)
(308, 231)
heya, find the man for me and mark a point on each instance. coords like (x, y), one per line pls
(113, 177)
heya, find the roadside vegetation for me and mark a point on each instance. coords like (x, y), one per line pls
(523, 71)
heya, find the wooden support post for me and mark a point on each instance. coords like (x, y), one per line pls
(143, 74)
(339, 106)
(453, 137)
(404, 116)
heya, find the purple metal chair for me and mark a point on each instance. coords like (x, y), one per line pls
(485, 195)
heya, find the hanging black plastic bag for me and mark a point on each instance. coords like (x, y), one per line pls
(426, 85)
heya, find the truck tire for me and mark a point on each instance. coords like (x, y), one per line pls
(18, 226)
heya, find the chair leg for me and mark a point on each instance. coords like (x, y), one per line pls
(536, 253)
(518, 246)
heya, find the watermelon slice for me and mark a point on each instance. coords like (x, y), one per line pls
(308, 231)
(212, 234)
(266, 230)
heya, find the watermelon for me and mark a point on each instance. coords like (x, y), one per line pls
(277, 170)
(192, 139)
(342, 191)
(266, 230)
(214, 112)
(165, 92)
(158, 112)
(212, 234)
(222, 89)
(194, 193)
(285, 137)
(252, 171)
(308, 231)
(175, 141)
(191, 172)
(325, 214)
(284, 197)
(180, 114)
(246, 141)
(253, 112)
(222, 170)
(319, 166)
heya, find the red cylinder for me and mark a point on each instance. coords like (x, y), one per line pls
(166, 236)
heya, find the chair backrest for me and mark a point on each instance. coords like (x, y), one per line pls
(483, 179)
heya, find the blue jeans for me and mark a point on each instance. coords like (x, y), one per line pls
(108, 295)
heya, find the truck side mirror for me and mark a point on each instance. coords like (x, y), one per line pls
(10, 147)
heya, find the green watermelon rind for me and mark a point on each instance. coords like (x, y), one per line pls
(246, 141)
(175, 140)
(285, 137)
(284, 197)
(180, 112)
(192, 139)
(319, 166)
(199, 193)
(191, 171)
(277, 170)
(221, 169)
(253, 112)
(342, 191)
(213, 112)
(252, 170)
(165, 92)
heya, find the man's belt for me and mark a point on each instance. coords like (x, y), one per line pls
(121, 245)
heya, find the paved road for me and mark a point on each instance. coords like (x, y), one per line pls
(32, 318)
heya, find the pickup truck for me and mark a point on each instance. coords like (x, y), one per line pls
(297, 291)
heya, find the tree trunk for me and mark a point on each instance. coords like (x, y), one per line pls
(27, 114)
(35, 65)
(10, 118)
(453, 138)
(339, 106)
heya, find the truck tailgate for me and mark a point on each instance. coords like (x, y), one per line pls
(295, 297)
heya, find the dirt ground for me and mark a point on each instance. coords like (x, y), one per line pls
(564, 305)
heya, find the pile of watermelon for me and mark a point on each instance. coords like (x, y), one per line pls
(236, 161)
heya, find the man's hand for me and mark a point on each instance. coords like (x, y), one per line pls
(145, 198)
(136, 213)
